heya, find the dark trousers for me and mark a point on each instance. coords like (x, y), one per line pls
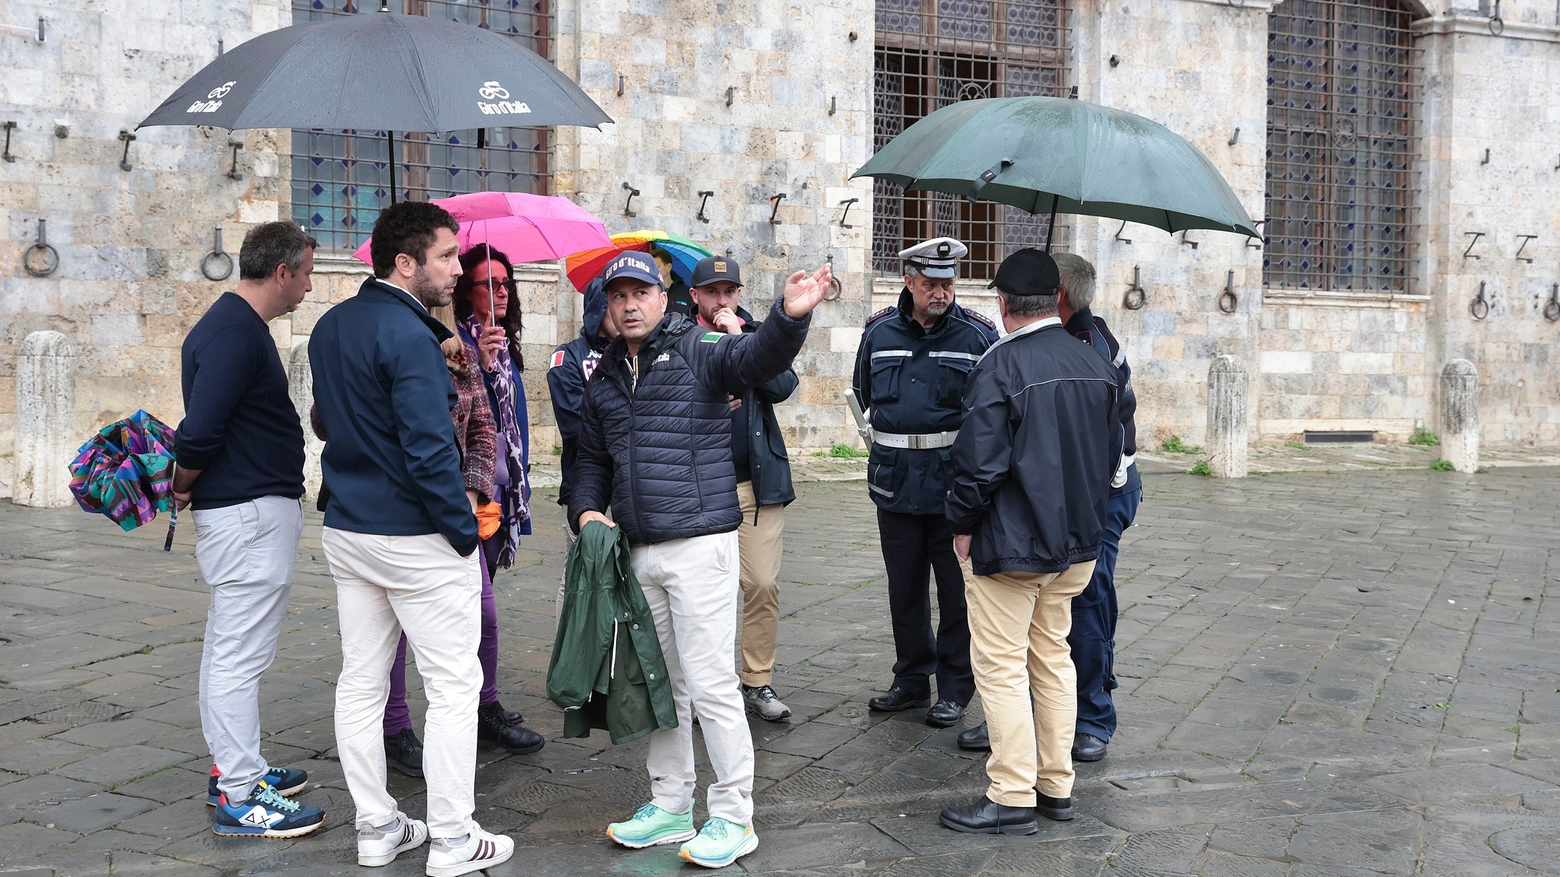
(913, 547)
(1093, 636)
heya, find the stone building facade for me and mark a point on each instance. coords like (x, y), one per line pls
(750, 100)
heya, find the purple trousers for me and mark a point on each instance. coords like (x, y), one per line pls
(397, 717)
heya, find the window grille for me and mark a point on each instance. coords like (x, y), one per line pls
(1340, 145)
(932, 53)
(341, 179)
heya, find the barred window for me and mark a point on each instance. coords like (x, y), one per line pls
(1340, 145)
(932, 53)
(341, 179)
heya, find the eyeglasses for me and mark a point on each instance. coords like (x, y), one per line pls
(483, 284)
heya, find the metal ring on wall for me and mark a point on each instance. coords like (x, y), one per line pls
(51, 260)
(1552, 307)
(1479, 307)
(1135, 298)
(1228, 302)
(836, 289)
(221, 258)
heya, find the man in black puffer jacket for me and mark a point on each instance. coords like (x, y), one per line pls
(655, 446)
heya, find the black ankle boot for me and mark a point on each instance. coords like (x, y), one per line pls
(403, 751)
(494, 727)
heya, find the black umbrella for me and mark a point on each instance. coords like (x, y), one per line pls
(380, 71)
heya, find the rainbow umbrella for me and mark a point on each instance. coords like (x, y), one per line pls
(585, 266)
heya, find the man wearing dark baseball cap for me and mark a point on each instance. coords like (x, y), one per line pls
(1029, 533)
(655, 447)
(763, 486)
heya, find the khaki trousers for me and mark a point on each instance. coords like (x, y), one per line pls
(759, 546)
(1018, 646)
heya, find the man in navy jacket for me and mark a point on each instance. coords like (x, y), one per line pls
(401, 538)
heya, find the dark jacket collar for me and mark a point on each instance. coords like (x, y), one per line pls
(373, 287)
(1081, 323)
(671, 324)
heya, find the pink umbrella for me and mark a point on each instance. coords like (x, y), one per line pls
(526, 228)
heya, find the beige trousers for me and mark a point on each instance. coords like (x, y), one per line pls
(1018, 647)
(759, 545)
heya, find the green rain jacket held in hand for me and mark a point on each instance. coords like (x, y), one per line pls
(607, 668)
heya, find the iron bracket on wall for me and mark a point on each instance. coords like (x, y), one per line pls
(774, 214)
(1258, 245)
(704, 197)
(1480, 306)
(1131, 301)
(1187, 242)
(124, 160)
(1468, 253)
(628, 204)
(233, 173)
(1228, 300)
(1525, 238)
(1127, 241)
(50, 256)
(9, 127)
(843, 216)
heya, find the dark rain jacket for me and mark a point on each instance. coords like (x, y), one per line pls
(607, 667)
(655, 440)
(769, 464)
(1093, 331)
(384, 394)
(1033, 461)
(570, 367)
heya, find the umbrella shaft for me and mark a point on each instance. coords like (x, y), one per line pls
(390, 137)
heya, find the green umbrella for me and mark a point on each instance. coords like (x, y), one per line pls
(1062, 155)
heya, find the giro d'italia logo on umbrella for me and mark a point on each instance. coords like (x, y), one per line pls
(213, 101)
(495, 100)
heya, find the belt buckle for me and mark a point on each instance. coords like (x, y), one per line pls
(917, 442)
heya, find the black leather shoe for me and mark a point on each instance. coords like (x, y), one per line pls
(1059, 809)
(944, 714)
(493, 727)
(976, 739)
(403, 751)
(511, 718)
(985, 817)
(897, 699)
(1087, 747)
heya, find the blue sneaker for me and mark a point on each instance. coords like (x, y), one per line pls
(719, 843)
(265, 814)
(285, 780)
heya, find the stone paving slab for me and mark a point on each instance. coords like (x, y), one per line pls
(1320, 675)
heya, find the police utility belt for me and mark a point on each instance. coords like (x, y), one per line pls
(924, 442)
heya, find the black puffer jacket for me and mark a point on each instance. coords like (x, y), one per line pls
(655, 437)
(1033, 461)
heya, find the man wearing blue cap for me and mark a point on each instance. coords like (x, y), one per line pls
(655, 446)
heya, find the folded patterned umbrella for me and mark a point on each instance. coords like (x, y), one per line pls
(125, 473)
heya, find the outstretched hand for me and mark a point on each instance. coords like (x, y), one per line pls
(803, 293)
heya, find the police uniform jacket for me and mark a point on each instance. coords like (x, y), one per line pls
(655, 436)
(912, 379)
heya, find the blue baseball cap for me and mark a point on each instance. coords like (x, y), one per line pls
(633, 265)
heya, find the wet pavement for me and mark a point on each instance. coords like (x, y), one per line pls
(1321, 674)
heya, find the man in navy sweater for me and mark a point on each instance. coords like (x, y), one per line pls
(240, 463)
(401, 538)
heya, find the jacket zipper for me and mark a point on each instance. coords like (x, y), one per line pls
(633, 483)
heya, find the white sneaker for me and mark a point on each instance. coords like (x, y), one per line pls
(480, 850)
(377, 847)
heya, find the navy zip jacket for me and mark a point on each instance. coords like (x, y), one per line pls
(1033, 461)
(655, 440)
(384, 393)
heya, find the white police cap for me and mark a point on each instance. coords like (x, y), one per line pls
(937, 258)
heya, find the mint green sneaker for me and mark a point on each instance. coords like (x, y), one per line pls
(651, 825)
(719, 843)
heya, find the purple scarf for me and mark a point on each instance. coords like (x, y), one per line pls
(517, 494)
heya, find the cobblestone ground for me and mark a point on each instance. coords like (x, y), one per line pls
(1321, 675)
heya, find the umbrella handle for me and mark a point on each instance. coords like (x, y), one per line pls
(173, 521)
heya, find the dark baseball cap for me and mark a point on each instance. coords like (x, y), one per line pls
(715, 269)
(1028, 272)
(633, 265)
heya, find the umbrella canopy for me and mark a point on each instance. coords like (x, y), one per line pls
(526, 228)
(379, 71)
(125, 473)
(1062, 155)
(583, 267)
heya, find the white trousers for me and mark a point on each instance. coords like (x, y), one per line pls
(384, 585)
(692, 587)
(245, 553)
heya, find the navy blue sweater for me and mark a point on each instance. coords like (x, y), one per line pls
(384, 394)
(239, 427)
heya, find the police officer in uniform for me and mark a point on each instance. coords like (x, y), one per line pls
(910, 371)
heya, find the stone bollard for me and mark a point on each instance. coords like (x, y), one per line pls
(45, 420)
(1227, 417)
(300, 386)
(1460, 415)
